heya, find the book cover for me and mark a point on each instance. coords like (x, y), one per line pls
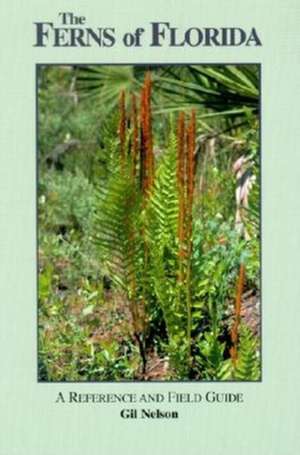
(149, 228)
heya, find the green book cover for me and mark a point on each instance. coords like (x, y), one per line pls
(149, 227)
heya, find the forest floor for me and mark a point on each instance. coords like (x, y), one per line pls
(106, 320)
(115, 323)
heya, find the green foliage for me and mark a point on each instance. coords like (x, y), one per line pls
(117, 229)
(104, 84)
(110, 288)
(248, 363)
(62, 118)
(70, 357)
(66, 200)
(210, 359)
(162, 218)
(230, 90)
(177, 349)
(113, 363)
(163, 209)
(217, 253)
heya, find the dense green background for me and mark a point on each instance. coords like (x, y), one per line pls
(267, 423)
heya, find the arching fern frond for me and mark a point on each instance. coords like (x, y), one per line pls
(248, 365)
(211, 359)
(117, 229)
(161, 229)
(163, 205)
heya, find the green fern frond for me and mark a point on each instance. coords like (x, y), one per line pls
(248, 364)
(117, 228)
(211, 359)
(161, 232)
(163, 207)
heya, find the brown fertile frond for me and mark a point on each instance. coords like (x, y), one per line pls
(181, 183)
(135, 141)
(190, 169)
(191, 156)
(143, 177)
(122, 128)
(237, 314)
(147, 157)
(148, 119)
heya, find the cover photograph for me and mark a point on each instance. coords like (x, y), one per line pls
(149, 228)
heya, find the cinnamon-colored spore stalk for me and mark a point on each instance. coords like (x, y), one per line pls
(147, 157)
(122, 129)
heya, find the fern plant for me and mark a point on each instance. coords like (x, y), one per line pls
(247, 366)
(147, 235)
(210, 359)
(120, 228)
(118, 234)
(162, 224)
(170, 231)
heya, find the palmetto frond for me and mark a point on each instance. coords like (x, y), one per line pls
(230, 91)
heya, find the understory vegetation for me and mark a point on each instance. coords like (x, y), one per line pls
(149, 223)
